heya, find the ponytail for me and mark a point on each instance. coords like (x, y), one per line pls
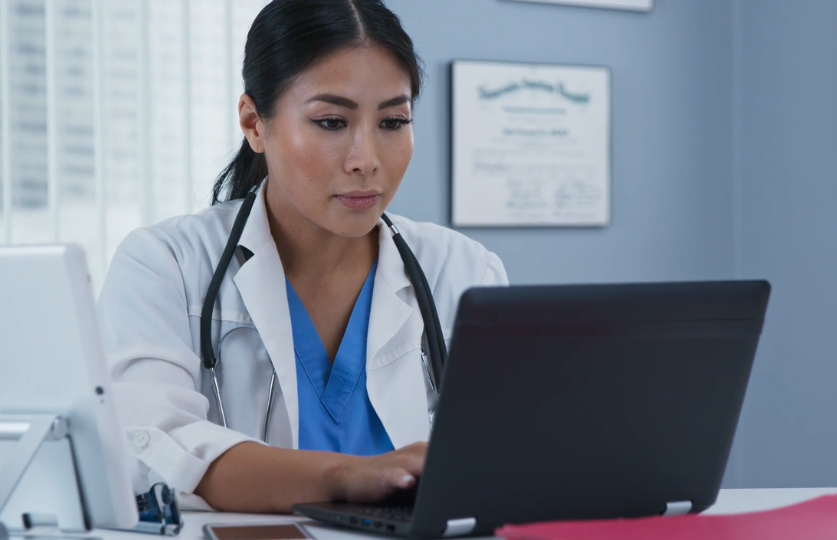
(245, 171)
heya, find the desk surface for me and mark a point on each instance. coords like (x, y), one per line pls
(729, 501)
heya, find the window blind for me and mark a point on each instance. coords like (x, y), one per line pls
(114, 114)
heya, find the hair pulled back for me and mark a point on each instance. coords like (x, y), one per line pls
(286, 38)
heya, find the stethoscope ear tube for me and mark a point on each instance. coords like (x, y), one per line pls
(435, 338)
(269, 406)
(216, 391)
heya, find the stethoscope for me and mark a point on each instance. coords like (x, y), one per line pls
(437, 349)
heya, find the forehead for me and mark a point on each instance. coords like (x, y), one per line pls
(362, 74)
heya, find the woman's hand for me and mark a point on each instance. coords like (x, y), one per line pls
(245, 477)
(372, 479)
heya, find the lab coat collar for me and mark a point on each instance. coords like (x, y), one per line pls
(394, 376)
(256, 233)
(261, 284)
(395, 386)
(390, 266)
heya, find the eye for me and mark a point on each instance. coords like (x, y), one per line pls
(395, 123)
(331, 124)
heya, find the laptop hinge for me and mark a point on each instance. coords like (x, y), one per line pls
(460, 527)
(678, 508)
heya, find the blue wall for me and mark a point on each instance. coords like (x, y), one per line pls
(672, 141)
(786, 193)
(724, 145)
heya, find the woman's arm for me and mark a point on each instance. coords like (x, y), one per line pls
(252, 477)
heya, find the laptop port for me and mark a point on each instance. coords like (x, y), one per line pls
(353, 520)
(367, 522)
(390, 528)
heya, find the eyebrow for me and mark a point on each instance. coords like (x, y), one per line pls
(349, 104)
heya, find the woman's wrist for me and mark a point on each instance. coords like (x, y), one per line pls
(337, 475)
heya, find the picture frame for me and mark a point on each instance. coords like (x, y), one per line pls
(629, 5)
(530, 144)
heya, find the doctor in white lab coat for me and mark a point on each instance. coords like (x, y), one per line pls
(326, 116)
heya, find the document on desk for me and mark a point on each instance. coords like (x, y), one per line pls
(531, 144)
(812, 520)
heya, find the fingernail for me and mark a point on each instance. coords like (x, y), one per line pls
(407, 480)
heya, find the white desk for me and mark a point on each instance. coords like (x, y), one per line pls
(729, 501)
(734, 501)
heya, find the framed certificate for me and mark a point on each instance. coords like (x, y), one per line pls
(531, 145)
(633, 5)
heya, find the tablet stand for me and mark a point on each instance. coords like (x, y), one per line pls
(30, 432)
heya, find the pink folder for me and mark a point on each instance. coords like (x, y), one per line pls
(811, 520)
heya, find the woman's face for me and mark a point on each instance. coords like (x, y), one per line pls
(340, 141)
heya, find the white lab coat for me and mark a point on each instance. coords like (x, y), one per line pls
(150, 315)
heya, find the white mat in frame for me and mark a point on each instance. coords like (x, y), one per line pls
(632, 5)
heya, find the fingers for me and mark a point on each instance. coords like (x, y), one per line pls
(400, 478)
(371, 479)
(413, 458)
(406, 466)
(417, 447)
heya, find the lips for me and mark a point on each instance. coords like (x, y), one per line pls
(359, 200)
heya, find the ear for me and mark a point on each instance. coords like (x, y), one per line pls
(251, 125)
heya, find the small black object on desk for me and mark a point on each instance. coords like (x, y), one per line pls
(158, 511)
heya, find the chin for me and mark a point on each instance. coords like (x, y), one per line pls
(355, 224)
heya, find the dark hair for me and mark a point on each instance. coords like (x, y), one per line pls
(285, 39)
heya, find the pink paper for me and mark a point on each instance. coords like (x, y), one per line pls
(811, 520)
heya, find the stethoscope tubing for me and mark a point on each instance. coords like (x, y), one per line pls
(427, 307)
(209, 359)
(435, 338)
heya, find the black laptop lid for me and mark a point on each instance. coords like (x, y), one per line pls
(580, 402)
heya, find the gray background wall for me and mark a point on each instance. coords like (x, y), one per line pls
(786, 190)
(723, 137)
(672, 152)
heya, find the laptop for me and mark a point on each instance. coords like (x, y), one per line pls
(579, 402)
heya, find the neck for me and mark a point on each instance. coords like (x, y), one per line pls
(310, 252)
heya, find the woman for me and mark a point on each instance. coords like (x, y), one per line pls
(316, 290)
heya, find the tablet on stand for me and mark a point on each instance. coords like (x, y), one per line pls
(63, 454)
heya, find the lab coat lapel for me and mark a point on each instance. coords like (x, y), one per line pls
(395, 378)
(261, 283)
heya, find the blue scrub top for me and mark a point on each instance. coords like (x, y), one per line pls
(335, 413)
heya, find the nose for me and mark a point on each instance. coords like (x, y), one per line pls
(363, 156)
